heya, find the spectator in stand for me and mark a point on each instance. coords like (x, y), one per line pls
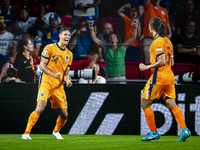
(188, 45)
(153, 9)
(11, 15)
(65, 12)
(25, 21)
(46, 17)
(6, 39)
(50, 5)
(104, 37)
(81, 42)
(36, 40)
(188, 14)
(115, 54)
(132, 51)
(3, 59)
(51, 35)
(98, 79)
(24, 61)
(4, 78)
(37, 8)
(41, 25)
(83, 8)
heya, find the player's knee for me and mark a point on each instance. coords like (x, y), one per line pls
(170, 103)
(143, 105)
(40, 108)
(64, 116)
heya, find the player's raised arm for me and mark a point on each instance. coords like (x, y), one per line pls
(66, 77)
(45, 69)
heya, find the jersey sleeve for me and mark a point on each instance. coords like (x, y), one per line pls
(159, 49)
(172, 51)
(46, 53)
(70, 60)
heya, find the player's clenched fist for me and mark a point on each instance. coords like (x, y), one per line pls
(142, 67)
(57, 75)
(69, 83)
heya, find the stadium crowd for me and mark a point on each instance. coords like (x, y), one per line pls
(113, 22)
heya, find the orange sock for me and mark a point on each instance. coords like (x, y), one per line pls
(59, 124)
(150, 119)
(179, 117)
(31, 122)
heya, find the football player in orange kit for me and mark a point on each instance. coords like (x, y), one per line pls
(161, 82)
(55, 64)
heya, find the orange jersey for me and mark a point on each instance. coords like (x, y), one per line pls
(129, 31)
(59, 60)
(162, 75)
(150, 11)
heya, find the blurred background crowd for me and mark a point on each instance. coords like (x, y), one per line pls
(41, 20)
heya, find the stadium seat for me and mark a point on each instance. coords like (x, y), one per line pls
(133, 71)
(182, 68)
(117, 23)
(178, 69)
(102, 64)
(198, 72)
(75, 64)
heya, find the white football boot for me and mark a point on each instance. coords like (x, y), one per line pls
(26, 137)
(57, 135)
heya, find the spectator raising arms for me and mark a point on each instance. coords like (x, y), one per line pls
(104, 37)
(132, 51)
(24, 61)
(115, 54)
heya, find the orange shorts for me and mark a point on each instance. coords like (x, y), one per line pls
(154, 91)
(56, 95)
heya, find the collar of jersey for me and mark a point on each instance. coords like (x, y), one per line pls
(156, 37)
(60, 47)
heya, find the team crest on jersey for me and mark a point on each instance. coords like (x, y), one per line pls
(45, 52)
(67, 58)
(163, 13)
(42, 95)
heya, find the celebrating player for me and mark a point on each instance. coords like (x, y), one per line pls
(55, 64)
(161, 82)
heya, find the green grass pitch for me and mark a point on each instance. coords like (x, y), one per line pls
(95, 142)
